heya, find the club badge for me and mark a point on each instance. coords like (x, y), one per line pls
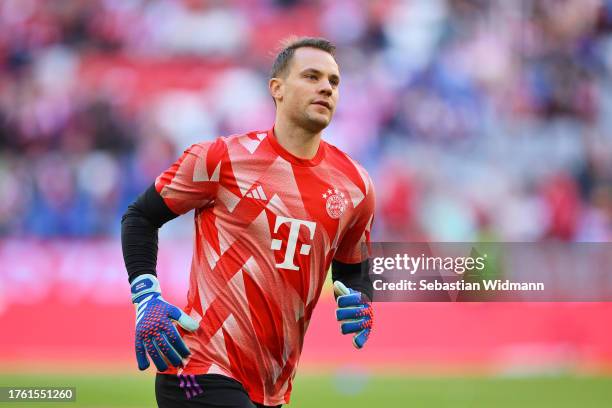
(336, 204)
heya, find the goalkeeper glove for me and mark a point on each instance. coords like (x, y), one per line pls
(155, 332)
(354, 313)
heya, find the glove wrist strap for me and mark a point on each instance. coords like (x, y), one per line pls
(144, 285)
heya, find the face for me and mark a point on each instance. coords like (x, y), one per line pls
(307, 93)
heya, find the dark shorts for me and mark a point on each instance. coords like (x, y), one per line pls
(201, 391)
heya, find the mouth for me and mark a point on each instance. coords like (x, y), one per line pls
(322, 103)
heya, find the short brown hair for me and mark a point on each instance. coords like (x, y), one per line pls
(284, 56)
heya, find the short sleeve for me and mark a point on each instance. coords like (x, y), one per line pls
(355, 245)
(193, 180)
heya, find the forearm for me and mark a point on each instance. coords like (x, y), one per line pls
(355, 276)
(139, 227)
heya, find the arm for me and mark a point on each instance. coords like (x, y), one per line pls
(182, 187)
(350, 274)
(139, 227)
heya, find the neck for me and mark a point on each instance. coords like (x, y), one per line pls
(296, 140)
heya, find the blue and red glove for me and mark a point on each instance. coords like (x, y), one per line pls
(155, 331)
(354, 313)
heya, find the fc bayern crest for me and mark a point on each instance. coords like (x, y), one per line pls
(336, 204)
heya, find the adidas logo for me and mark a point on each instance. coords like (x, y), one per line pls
(257, 193)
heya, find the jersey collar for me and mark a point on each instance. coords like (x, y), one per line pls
(318, 157)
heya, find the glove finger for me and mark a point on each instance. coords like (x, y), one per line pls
(155, 356)
(185, 321)
(353, 326)
(354, 299)
(141, 356)
(340, 289)
(177, 342)
(163, 345)
(349, 313)
(360, 339)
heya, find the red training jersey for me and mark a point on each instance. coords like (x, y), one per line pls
(267, 226)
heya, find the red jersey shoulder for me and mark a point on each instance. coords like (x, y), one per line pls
(191, 181)
(210, 156)
(249, 141)
(350, 168)
(222, 143)
(216, 156)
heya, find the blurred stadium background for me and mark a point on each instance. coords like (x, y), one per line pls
(478, 120)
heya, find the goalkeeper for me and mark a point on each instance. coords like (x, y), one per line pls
(274, 209)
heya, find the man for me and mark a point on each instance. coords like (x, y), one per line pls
(273, 210)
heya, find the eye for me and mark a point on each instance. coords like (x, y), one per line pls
(311, 76)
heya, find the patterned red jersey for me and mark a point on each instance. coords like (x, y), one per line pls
(267, 226)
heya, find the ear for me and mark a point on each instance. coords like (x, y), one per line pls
(275, 85)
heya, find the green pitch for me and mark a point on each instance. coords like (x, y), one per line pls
(357, 391)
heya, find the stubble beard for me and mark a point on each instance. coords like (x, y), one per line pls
(312, 123)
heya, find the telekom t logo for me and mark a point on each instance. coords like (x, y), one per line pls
(294, 231)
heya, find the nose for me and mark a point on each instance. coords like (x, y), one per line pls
(326, 88)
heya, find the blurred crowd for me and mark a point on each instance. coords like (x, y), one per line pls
(477, 119)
